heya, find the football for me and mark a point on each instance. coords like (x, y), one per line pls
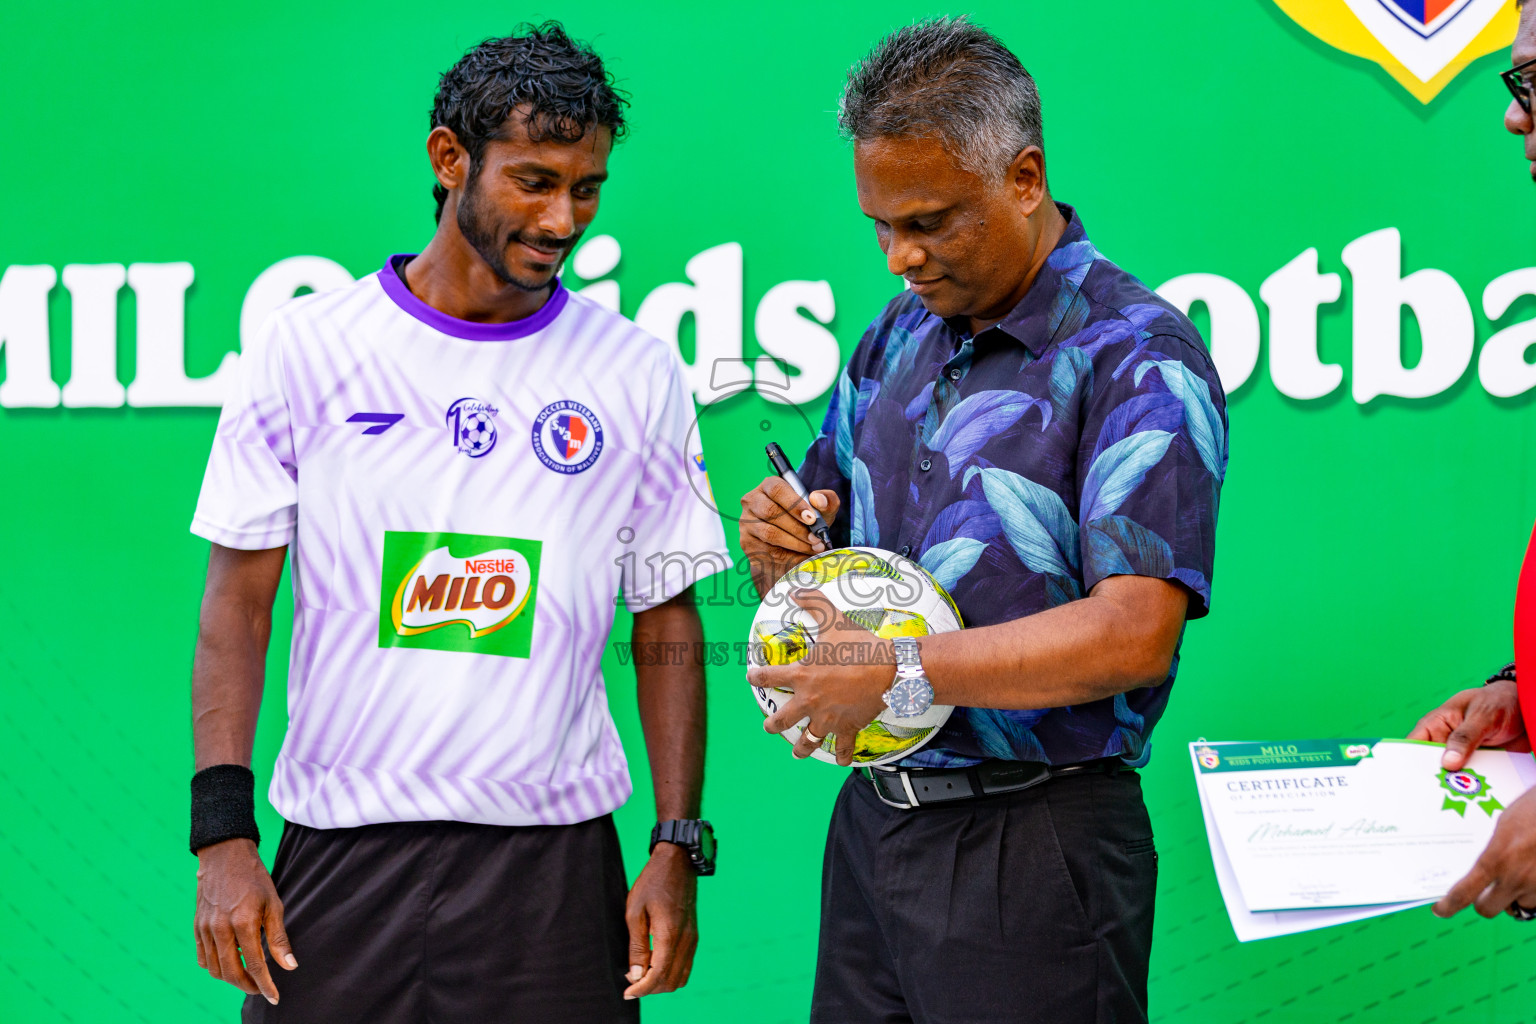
(886, 593)
(477, 434)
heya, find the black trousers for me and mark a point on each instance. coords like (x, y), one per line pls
(451, 923)
(1029, 906)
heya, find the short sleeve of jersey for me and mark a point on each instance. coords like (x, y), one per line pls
(249, 498)
(677, 537)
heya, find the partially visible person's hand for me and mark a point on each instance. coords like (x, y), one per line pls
(1506, 872)
(236, 901)
(661, 907)
(1483, 716)
(775, 528)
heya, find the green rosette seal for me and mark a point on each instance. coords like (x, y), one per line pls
(1465, 787)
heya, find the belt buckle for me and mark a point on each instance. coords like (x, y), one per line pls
(906, 784)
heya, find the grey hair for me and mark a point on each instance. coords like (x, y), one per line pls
(945, 78)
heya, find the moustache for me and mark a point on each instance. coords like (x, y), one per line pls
(549, 243)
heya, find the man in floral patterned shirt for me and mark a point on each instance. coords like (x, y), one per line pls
(1048, 438)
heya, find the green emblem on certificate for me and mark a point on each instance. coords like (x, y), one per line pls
(1467, 787)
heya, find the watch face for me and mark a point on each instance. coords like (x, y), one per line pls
(707, 845)
(910, 697)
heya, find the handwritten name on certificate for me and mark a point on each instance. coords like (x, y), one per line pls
(1307, 824)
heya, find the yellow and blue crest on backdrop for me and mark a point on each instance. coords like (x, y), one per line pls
(1423, 44)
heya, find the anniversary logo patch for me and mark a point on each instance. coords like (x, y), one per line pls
(472, 425)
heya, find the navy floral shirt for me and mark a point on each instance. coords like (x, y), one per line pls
(1084, 436)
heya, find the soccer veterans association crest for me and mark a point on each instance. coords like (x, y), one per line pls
(567, 437)
(458, 592)
(1423, 44)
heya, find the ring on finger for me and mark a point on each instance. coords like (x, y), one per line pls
(815, 740)
(1519, 913)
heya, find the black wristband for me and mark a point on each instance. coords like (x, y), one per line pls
(1503, 675)
(223, 805)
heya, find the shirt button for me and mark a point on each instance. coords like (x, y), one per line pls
(954, 374)
(925, 465)
(906, 549)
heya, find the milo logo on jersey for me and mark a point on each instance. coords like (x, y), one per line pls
(458, 592)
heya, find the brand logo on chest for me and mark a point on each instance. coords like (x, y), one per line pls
(458, 592)
(567, 437)
(472, 425)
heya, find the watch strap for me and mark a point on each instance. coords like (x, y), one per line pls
(687, 833)
(909, 660)
(675, 831)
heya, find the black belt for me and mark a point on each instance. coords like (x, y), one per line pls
(907, 788)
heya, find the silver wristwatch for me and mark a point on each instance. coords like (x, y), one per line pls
(910, 694)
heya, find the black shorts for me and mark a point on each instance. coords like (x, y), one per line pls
(452, 923)
(1032, 907)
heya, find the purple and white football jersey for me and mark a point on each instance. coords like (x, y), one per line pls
(462, 503)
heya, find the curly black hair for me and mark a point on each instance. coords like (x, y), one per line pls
(560, 81)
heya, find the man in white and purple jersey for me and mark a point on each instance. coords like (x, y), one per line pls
(466, 464)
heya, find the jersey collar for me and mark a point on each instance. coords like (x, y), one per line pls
(394, 287)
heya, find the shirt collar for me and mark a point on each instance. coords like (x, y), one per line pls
(390, 278)
(1052, 297)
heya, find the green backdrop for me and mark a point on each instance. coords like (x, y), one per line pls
(1367, 552)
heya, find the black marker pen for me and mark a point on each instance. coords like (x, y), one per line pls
(787, 473)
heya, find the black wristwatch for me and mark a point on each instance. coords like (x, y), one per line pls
(1503, 675)
(693, 835)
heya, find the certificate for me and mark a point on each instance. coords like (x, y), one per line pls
(1312, 827)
